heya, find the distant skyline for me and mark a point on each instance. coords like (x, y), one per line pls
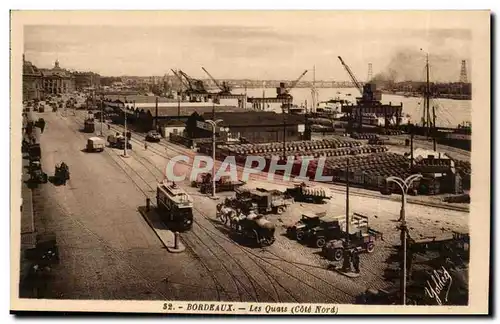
(267, 45)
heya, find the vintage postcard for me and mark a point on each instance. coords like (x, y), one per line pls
(250, 162)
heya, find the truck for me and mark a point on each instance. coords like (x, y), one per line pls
(306, 222)
(118, 141)
(223, 184)
(89, 125)
(266, 201)
(95, 144)
(305, 193)
(36, 173)
(318, 232)
(361, 237)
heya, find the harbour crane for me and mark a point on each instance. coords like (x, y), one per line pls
(224, 87)
(353, 77)
(285, 92)
(195, 86)
(181, 80)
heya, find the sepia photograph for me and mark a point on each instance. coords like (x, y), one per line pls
(250, 162)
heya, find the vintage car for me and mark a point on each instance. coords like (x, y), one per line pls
(153, 136)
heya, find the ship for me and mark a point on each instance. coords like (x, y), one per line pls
(460, 137)
(369, 110)
(370, 103)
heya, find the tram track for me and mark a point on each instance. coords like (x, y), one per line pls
(296, 265)
(255, 258)
(193, 236)
(264, 178)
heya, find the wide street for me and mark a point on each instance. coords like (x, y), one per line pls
(108, 251)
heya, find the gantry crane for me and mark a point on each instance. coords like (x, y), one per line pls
(224, 88)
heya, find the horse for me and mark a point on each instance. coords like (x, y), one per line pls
(225, 213)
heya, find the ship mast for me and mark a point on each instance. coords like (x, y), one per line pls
(314, 91)
(429, 124)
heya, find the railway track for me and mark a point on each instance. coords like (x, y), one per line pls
(221, 241)
(170, 148)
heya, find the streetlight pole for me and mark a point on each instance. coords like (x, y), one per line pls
(284, 134)
(126, 139)
(213, 124)
(404, 185)
(102, 112)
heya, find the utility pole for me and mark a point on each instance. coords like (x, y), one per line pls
(178, 106)
(347, 225)
(434, 129)
(213, 123)
(314, 93)
(411, 147)
(213, 109)
(427, 94)
(156, 112)
(126, 139)
(102, 112)
(347, 261)
(284, 135)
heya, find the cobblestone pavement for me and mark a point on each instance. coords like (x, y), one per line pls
(108, 250)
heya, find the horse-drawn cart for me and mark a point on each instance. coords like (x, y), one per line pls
(61, 174)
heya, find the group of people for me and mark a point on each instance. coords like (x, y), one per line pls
(351, 256)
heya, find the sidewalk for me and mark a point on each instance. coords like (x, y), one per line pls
(165, 235)
(27, 216)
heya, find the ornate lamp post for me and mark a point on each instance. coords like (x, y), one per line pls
(404, 185)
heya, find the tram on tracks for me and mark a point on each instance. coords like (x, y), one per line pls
(175, 206)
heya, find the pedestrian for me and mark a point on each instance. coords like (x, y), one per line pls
(145, 145)
(355, 260)
(109, 126)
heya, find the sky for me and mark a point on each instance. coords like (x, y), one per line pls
(262, 45)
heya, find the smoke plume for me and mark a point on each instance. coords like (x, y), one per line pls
(409, 65)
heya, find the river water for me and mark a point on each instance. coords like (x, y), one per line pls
(449, 113)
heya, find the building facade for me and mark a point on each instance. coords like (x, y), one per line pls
(251, 126)
(87, 80)
(58, 80)
(32, 82)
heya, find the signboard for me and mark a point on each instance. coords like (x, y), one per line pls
(301, 128)
(203, 125)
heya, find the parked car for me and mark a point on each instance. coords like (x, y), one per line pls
(153, 136)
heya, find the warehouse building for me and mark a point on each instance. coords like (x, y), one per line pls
(249, 126)
(143, 116)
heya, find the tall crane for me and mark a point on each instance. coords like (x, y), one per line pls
(181, 80)
(195, 85)
(353, 77)
(294, 83)
(224, 88)
(285, 92)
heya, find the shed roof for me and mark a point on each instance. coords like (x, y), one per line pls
(246, 118)
(187, 110)
(173, 122)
